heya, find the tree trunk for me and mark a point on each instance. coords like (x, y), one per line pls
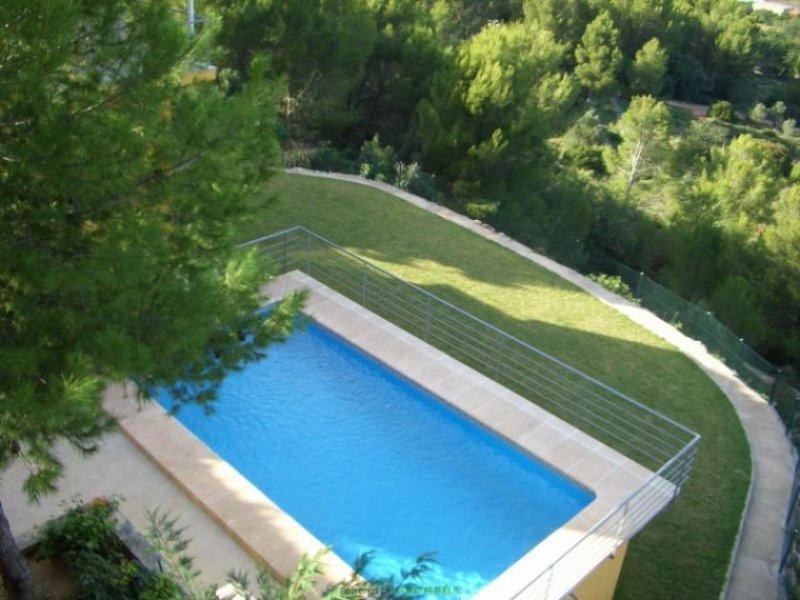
(13, 568)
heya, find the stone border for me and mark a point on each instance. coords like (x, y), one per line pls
(756, 556)
(276, 540)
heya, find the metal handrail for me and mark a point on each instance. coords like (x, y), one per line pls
(473, 318)
(673, 446)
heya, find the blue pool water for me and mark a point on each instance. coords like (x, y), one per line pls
(365, 460)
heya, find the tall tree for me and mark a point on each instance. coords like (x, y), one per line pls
(783, 243)
(461, 19)
(746, 178)
(733, 59)
(647, 72)
(490, 112)
(565, 19)
(121, 197)
(644, 128)
(398, 73)
(320, 47)
(598, 56)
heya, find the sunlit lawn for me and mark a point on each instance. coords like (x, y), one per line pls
(685, 553)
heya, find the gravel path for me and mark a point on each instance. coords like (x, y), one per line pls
(754, 567)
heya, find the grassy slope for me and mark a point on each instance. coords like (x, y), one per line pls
(684, 554)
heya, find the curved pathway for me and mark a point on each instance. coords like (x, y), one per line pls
(756, 558)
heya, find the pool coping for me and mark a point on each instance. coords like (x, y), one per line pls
(278, 542)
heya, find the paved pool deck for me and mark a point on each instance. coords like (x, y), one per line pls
(120, 469)
(756, 558)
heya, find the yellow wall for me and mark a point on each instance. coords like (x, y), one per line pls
(600, 585)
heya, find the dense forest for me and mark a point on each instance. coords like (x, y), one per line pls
(565, 123)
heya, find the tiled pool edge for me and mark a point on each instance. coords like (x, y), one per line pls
(278, 541)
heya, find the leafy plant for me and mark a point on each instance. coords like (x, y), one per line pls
(759, 112)
(298, 157)
(614, 283)
(85, 539)
(405, 174)
(723, 110)
(481, 211)
(169, 541)
(327, 158)
(376, 161)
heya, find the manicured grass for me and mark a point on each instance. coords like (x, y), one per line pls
(685, 552)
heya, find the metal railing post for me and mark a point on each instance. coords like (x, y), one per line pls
(308, 253)
(285, 243)
(427, 326)
(364, 281)
(623, 518)
(773, 392)
(499, 359)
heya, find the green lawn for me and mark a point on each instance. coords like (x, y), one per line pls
(684, 553)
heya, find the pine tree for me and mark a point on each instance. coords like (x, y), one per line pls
(121, 195)
(648, 70)
(644, 128)
(599, 57)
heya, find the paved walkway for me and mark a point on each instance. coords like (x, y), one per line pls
(121, 469)
(754, 570)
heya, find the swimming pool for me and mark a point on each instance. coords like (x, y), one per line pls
(365, 460)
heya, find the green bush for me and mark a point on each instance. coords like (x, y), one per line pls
(587, 156)
(425, 185)
(723, 110)
(298, 157)
(376, 162)
(759, 113)
(85, 539)
(614, 283)
(412, 178)
(481, 211)
(405, 174)
(328, 158)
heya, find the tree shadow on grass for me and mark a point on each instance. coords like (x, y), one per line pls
(394, 233)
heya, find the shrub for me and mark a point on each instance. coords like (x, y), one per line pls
(376, 162)
(587, 156)
(168, 539)
(405, 174)
(777, 112)
(723, 110)
(481, 211)
(759, 113)
(794, 174)
(298, 157)
(614, 283)
(425, 185)
(328, 158)
(85, 539)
